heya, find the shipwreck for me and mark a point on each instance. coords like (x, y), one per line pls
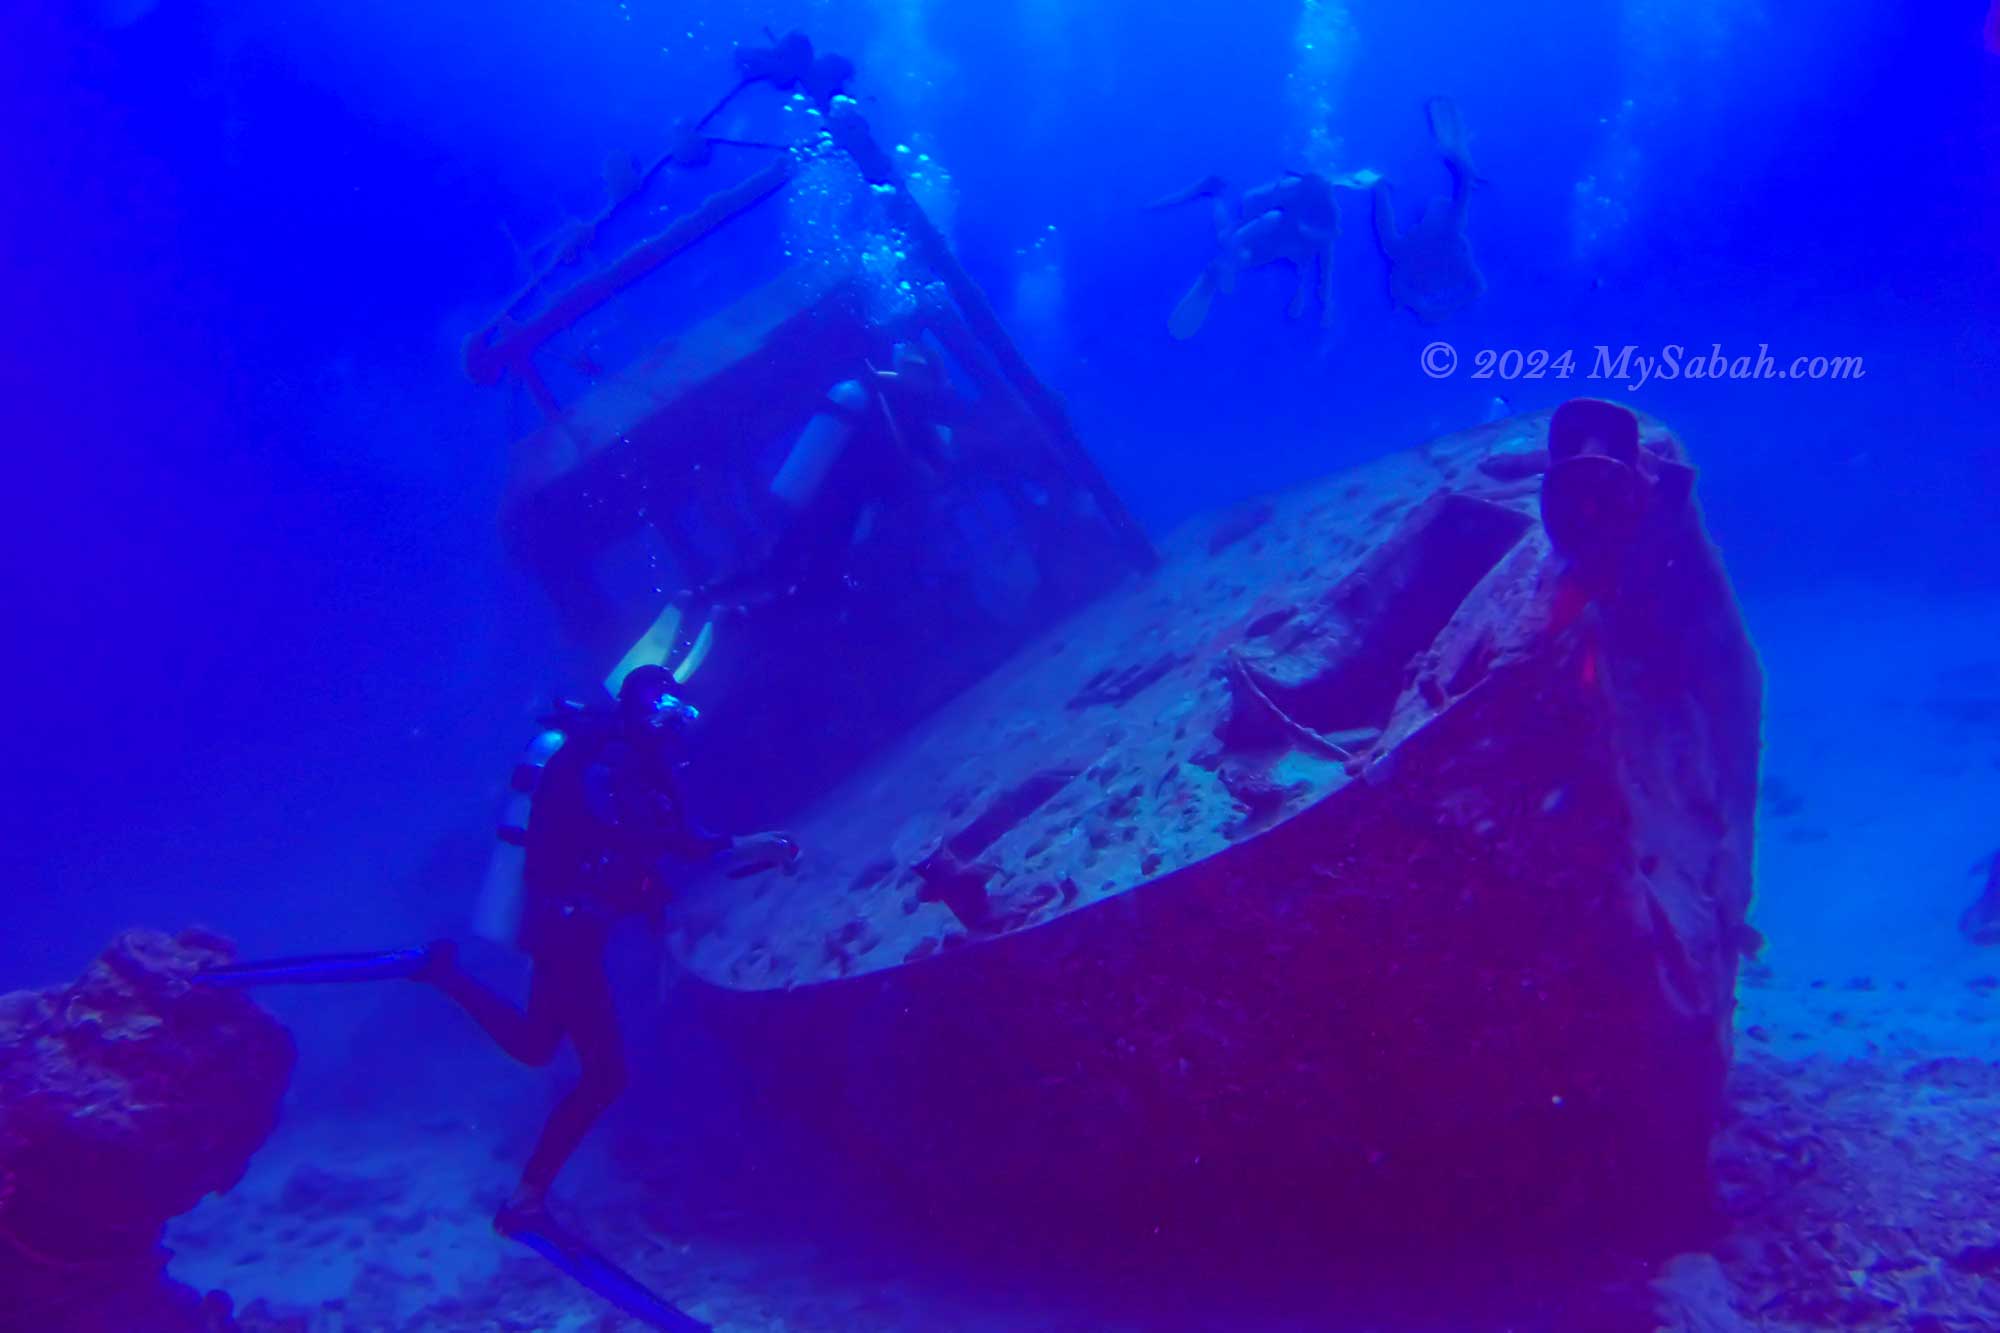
(1375, 854)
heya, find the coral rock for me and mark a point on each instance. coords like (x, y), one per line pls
(125, 1098)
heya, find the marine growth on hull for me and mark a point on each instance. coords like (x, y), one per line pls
(1421, 797)
(1281, 650)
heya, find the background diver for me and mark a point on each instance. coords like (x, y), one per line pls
(1432, 272)
(1293, 220)
(788, 64)
(877, 440)
(606, 817)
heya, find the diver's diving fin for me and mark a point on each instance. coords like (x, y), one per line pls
(651, 649)
(1208, 187)
(592, 1270)
(784, 64)
(1448, 133)
(1447, 126)
(1192, 312)
(334, 967)
(659, 644)
(1302, 290)
(1388, 232)
(697, 654)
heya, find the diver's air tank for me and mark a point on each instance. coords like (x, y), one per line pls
(820, 445)
(526, 778)
(502, 897)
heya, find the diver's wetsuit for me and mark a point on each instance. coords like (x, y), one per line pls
(608, 809)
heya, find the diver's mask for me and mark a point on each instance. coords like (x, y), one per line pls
(672, 715)
(648, 702)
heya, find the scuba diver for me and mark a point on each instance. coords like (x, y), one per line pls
(788, 64)
(1291, 220)
(605, 816)
(877, 440)
(607, 811)
(1432, 272)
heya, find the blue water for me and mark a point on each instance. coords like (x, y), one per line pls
(268, 658)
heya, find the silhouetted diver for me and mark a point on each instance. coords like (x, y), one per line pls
(1431, 269)
(1291, 220)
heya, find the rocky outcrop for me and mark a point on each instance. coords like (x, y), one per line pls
(1382, 868)
(125, 1098)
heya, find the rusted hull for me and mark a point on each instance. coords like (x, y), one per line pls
(1486, 985)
